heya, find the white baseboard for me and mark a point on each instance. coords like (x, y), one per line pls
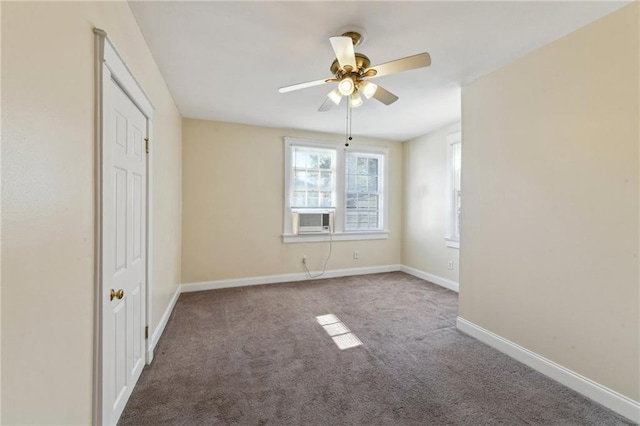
(587, 387)
(157, 332)
(442, 282)
(284, 278)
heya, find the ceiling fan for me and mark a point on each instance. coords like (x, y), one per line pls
(350, 69)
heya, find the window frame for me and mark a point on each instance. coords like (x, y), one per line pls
(339, 212)
(452, 239)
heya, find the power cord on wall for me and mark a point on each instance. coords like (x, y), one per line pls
(324, 267)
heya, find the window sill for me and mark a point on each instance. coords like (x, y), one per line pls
(450, 242)
(338, 236)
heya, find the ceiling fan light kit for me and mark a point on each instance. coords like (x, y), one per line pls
(350, 68)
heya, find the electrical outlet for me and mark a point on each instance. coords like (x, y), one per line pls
(450, 265)
(304, 259)
(356, 255)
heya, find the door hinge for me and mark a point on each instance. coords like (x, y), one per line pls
(147, 144)
(146, 332)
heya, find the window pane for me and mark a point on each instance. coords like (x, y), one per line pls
(363, 200)
(351, 164)
(300, 160)
(325, 162)
(351, 183)
(313, 161)
(373, 202)
(325, 199)
(362, 183)
(326, 180)
(298, 199)
(300, 179)
(373, 167)
(351, 201)
(362, 166)
(373, 184)
(313, 199)
(313, 179)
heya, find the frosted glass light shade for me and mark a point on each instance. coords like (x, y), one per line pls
(368, 88)
(335, 96)
(355, 100)
(346, 86)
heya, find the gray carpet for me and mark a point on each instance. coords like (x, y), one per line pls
(257, 356)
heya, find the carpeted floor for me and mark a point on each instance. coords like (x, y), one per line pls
(256, 356)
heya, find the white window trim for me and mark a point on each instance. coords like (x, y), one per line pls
(339, 234)
(451, 240)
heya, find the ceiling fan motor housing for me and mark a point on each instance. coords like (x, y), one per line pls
(362, 63)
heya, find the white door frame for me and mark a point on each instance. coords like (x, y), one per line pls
(107, 57)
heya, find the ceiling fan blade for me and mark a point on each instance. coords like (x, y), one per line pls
(343, 48)
(305, 85)
(405, 64)
(384, 96)
(326, 105)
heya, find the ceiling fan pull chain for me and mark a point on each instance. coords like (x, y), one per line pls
(347, 135)
(350, 121)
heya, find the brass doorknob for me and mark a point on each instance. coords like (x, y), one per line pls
(117, 294)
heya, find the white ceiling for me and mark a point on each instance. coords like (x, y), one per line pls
(225, 61)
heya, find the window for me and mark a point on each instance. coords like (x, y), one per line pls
(314, 183)
(454, 163)
(363, 193)
(347, 182)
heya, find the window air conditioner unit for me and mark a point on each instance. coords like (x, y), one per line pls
(313, 222)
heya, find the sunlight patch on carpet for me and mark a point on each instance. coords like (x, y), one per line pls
(346, 341)
(335, 329)
(341, 335)
(327, 319)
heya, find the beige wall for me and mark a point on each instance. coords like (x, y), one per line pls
(549, 254)
(48, 200)
(233, 203)
(0, 216)
(424, 216)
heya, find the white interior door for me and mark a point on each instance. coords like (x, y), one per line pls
(124, 250)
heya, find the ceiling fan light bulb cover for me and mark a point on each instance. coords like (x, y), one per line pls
(368, 89)
(355, 100)
(346, 86)
(335, 96)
